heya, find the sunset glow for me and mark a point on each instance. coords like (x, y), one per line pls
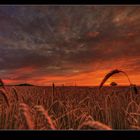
(69, 44)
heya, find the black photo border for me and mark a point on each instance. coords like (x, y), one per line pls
(70, 134)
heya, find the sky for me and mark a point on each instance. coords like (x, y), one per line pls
(69, 44)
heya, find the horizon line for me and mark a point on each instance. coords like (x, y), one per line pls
(72, 85)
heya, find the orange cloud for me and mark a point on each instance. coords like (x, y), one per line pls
(92, 34)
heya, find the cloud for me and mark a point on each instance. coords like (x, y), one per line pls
(67, 40)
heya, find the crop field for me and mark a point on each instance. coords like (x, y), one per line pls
(69, 108)
(69, 67)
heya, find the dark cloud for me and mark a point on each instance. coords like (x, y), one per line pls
(66, 40)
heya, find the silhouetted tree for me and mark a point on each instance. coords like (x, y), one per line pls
(113, 84)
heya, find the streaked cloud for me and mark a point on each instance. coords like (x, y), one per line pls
(42, 44)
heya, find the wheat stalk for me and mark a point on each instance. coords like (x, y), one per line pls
(24, 109)
(53, 90)
(1, 82)
(134, 89)
(94, 125)
(111, 73)
(135, 127)
(3, 93)
(16, 94)
(44, 113)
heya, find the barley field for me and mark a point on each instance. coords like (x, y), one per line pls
(69, 108)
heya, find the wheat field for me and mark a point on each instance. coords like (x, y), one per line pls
(69, 108)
